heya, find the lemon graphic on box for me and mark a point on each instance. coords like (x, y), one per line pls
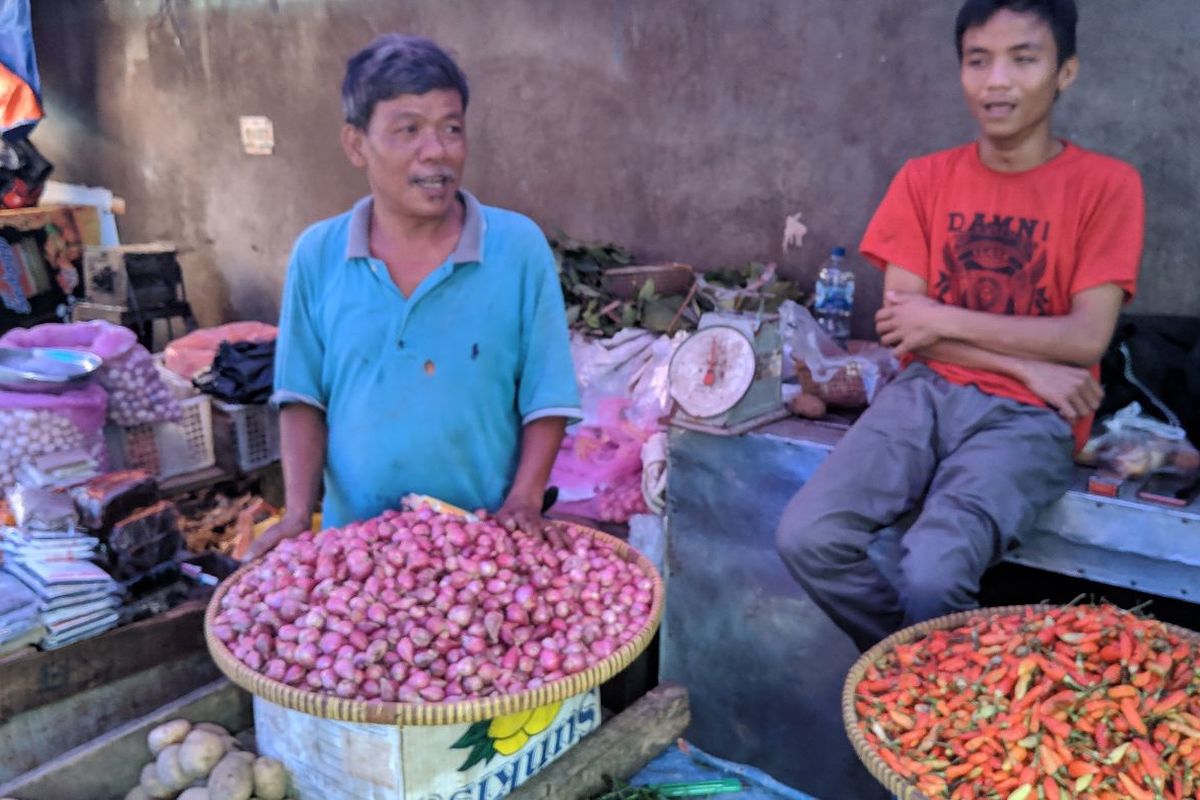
(504, 735)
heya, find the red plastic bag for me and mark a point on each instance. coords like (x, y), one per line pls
(193, 354)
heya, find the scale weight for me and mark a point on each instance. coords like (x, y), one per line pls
(726, 378)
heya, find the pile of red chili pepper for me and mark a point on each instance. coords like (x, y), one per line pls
(1086, 701)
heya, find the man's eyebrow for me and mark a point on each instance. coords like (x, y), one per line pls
(417, 115)
(980, 50)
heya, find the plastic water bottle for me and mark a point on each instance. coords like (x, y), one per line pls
(835, 296)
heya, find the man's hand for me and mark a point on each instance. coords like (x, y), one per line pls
(1072, 391)
(525, 514)
(908, 322)
(286, 528)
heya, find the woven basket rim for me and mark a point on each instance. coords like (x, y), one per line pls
(416, 714)
(891, 780)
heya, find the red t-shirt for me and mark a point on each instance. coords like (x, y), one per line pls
(1011, 243)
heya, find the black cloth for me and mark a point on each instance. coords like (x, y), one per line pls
(241, 372)
(1164, 357)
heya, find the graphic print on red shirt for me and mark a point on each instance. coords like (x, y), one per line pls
(995, 265)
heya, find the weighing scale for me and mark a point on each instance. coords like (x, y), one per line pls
(726, 378)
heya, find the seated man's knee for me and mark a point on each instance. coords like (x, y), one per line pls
(934, 592)
(809, 544)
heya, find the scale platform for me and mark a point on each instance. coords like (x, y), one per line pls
(736, 429)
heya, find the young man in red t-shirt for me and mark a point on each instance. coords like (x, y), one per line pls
(1006, 262)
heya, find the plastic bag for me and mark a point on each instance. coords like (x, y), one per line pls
(144, 540)
(18, 609)
(33, 425)
(1135, 444)
(598, 471)
(624, 391)
(136, 392)
(633, 366)
(193, 354)
(654, 473)
(41, 509)
(848, 378)
(104, 500)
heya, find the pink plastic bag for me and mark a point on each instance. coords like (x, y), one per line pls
(40, 424)
(598, 471)
(102, 338)
(193, 354)
(136, 392)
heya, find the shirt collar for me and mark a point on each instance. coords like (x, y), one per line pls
(470, 241)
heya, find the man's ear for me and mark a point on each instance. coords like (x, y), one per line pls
(1067, 73)
(353, 141)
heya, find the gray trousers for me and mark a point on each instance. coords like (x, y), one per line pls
(969, 470)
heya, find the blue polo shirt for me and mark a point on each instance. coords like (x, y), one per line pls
(427, 393)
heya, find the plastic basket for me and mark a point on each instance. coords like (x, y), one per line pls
(255, 433)
(167, 449)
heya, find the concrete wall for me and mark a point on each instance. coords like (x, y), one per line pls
(684, 129)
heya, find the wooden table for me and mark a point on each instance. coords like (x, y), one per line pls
(51, 701)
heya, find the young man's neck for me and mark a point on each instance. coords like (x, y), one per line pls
(1009, 156)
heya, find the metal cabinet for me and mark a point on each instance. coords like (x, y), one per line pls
(763, 665)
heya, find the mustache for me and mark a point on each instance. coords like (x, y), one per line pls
(443, 173)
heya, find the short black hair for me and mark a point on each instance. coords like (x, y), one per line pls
(393, 65)
(1061, 15)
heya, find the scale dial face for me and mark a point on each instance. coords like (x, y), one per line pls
(712, 371)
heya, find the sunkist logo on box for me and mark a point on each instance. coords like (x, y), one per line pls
(513, 735)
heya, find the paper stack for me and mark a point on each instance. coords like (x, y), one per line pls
(76, 599)
(22, 545)
(20, 617)
(73, 598)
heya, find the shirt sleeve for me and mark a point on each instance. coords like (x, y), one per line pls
(547, 385)
(899, 231)
(1110, 242)
(300, 349)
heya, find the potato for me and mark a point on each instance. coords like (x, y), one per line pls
(195, 793)
(200, 752)
(152, 786)
(168, 733)
(226, 736)
(807, 405)
(137, 793)
(232, 778)
(270, 779)
(169, 770)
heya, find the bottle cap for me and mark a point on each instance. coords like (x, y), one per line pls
(840, 252)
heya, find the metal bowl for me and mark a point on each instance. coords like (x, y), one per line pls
(45, 369)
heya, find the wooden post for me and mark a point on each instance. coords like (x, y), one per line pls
(618, 749)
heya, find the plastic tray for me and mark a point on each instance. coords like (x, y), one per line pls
(255, 433)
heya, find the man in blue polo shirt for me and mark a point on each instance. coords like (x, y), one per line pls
(423, 340)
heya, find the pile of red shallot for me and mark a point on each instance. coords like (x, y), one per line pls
(417, 606)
